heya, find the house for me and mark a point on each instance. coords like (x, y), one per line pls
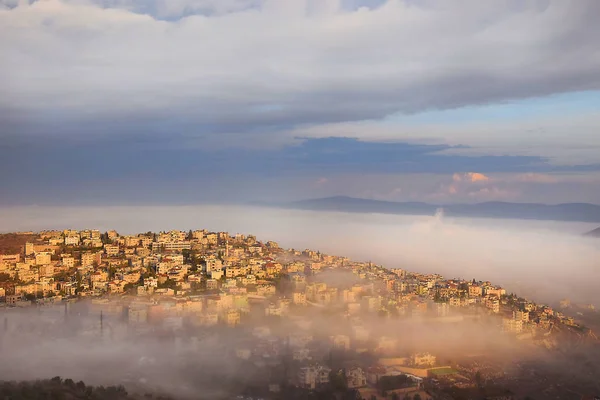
(313, 376)
(374, 373)
(68, 261)
(43, 258)
(111, 250)
(299, 298)
(232, 318)
(422, 360)
(356, 378)
(301, 354)
(137, 315)
(340, 342)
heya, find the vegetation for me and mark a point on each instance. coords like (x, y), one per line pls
(387, 383)
(59, 389)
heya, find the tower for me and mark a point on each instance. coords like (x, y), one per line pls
(29, 249)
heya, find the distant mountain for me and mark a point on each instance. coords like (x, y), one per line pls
(594, 233)
(583, 212)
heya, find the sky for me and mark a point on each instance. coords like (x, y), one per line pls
(192, 101)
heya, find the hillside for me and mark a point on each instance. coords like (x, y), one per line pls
(11, 243)
(594, 233)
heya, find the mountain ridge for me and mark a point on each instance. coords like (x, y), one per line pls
(580, 212)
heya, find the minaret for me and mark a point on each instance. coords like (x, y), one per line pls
(226, 248)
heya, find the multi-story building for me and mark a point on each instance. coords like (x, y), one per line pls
(43, 258)
(313, 376)
(171, 246)
(90, 258)
(299, 298)
(111, 250)
(72, 240)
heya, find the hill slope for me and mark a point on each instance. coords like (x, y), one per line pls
(594, 233)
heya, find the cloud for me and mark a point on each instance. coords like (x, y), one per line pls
(472, 177)
(175, 66)
(531, 177)
(123, 170)
(321, 181)
(473, 186)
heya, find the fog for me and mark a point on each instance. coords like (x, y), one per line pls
(541, 260)
(200, 362)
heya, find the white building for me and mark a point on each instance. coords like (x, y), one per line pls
(311, 377)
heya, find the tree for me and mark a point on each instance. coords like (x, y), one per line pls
(478, 378)
(104, 238)
(128, 287)
(417, 397)
(338, 380)
(395, 396)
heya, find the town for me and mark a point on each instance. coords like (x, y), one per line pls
(313, 324)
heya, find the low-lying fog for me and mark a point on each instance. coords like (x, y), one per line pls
(542, 260)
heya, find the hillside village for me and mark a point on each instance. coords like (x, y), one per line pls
(190, 282)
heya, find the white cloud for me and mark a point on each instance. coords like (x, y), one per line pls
(249, 64)
(472, 177)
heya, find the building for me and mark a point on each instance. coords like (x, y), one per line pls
(111, 250)
(137, 315)
(299, 298)
(43, 258)
(423, 360)
(171, 246)
(71, 240)
(356, 378)
(521, 316)
(68, 261)
(340, 342)
(475, 291)
(89, 259)
(512, 325)
(232, 318)
(442, 309)
(29, 249)
(313, 376)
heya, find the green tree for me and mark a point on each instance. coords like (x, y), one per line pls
(128, 287)
(417, 397)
